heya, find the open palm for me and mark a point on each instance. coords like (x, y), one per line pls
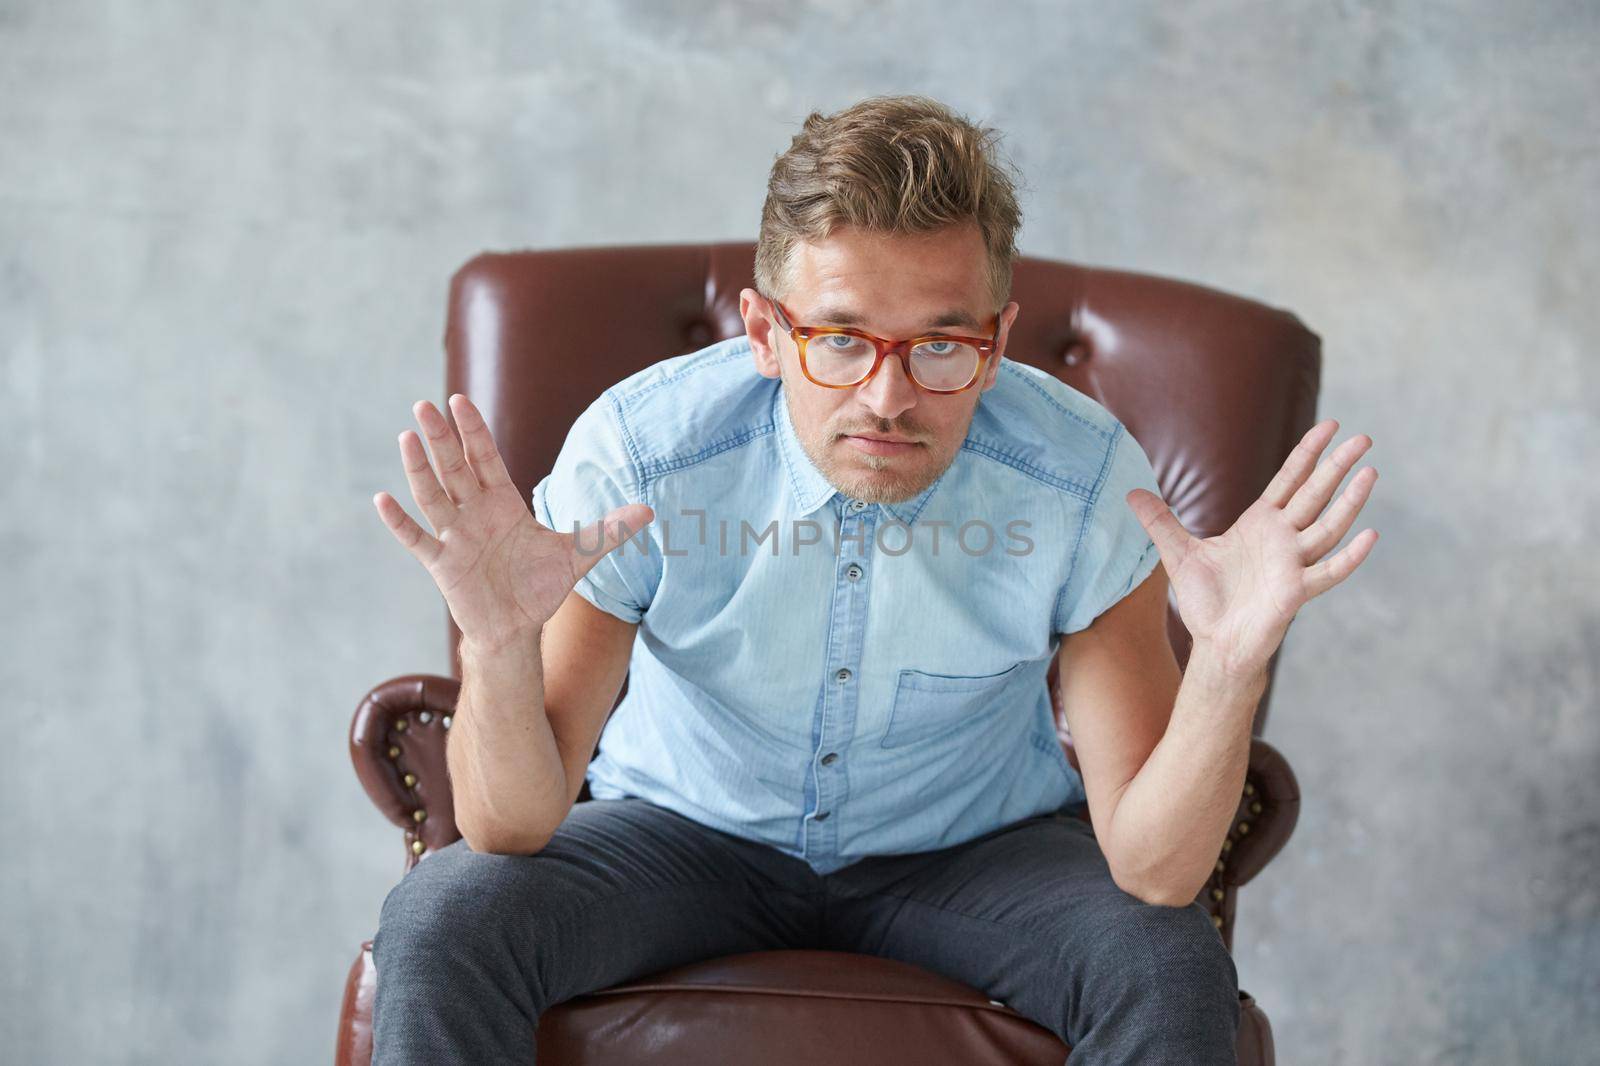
(501, 572)
(1239, 591)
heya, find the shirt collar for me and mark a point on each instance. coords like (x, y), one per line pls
(812, 489)
(907, 510)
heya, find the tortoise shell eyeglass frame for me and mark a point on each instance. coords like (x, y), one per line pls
(801, 334)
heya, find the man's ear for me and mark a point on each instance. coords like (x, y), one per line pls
(1008, 315)
(759, 328)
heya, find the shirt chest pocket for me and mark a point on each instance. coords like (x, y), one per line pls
(928, 706)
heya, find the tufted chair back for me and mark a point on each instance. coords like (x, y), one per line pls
(1216, 387)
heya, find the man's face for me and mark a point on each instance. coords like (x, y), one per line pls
(896, 287)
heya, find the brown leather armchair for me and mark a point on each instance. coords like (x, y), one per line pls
(1217, 388)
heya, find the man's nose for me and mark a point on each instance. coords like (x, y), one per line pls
(890, 391)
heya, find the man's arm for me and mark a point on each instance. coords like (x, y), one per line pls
(1163, 753)
(586, 653)
(526, 724)
(1168, 784)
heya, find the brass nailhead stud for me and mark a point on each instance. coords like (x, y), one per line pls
(394, 752)
(1217, 894)
(1244, 827)
(411, 780)
(1221, 866)
(419, 815)
(1249, 789)
(1216, 920)
(400, 725)
(416, 847)
(425, 717)
(1255, 808)
(445, 721)
(1227, 845)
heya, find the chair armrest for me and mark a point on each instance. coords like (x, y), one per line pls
(397, 741)
(1268, 810)
(1269, 807)
(353, 1045)
(1267, 814)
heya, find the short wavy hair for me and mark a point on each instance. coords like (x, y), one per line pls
(889, 164)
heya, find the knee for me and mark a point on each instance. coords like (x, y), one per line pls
(1171, 950)
(1158, 986)
(458, 953)
(446, 905)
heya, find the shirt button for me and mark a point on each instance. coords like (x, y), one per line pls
(822, 816)
(830, 758)
(843, 674)
(853, 573)
(857, 505)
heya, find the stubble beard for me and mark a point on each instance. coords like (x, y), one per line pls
(889, 486)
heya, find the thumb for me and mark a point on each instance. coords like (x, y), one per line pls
(1171, 539)
(600, 537)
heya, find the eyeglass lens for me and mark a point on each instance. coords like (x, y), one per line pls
(840, 359)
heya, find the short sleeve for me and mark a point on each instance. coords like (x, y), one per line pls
(593, 475)
(1115, 554)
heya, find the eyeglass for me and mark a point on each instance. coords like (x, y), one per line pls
(844, 358)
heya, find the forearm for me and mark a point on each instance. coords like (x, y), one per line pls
(1169, 824)
(505, 767)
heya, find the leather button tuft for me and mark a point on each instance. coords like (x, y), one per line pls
(1075, 353)
(698, 334)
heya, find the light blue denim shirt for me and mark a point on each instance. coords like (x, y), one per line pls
(834, 678)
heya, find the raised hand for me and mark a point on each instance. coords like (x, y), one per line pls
(502, 574)
(1239, 591)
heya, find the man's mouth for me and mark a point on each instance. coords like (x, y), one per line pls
(880, 444)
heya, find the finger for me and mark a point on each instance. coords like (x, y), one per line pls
(594, 540)
(1330, 529)
(479, 444)
(459, 480)
(413, 537)
(1309, 500)
(1335, 568)
(1171, 539)
(1301, 461)
(425, 489)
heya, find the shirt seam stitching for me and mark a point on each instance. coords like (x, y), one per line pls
(628, 442)
(661, 467)
(1083, 529)
(736, 352)
(989, 451)
(1051, 400)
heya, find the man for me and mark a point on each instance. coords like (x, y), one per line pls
(837, 732)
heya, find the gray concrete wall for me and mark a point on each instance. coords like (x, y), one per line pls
(225, 236)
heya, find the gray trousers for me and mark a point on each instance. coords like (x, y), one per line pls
(471, 948)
